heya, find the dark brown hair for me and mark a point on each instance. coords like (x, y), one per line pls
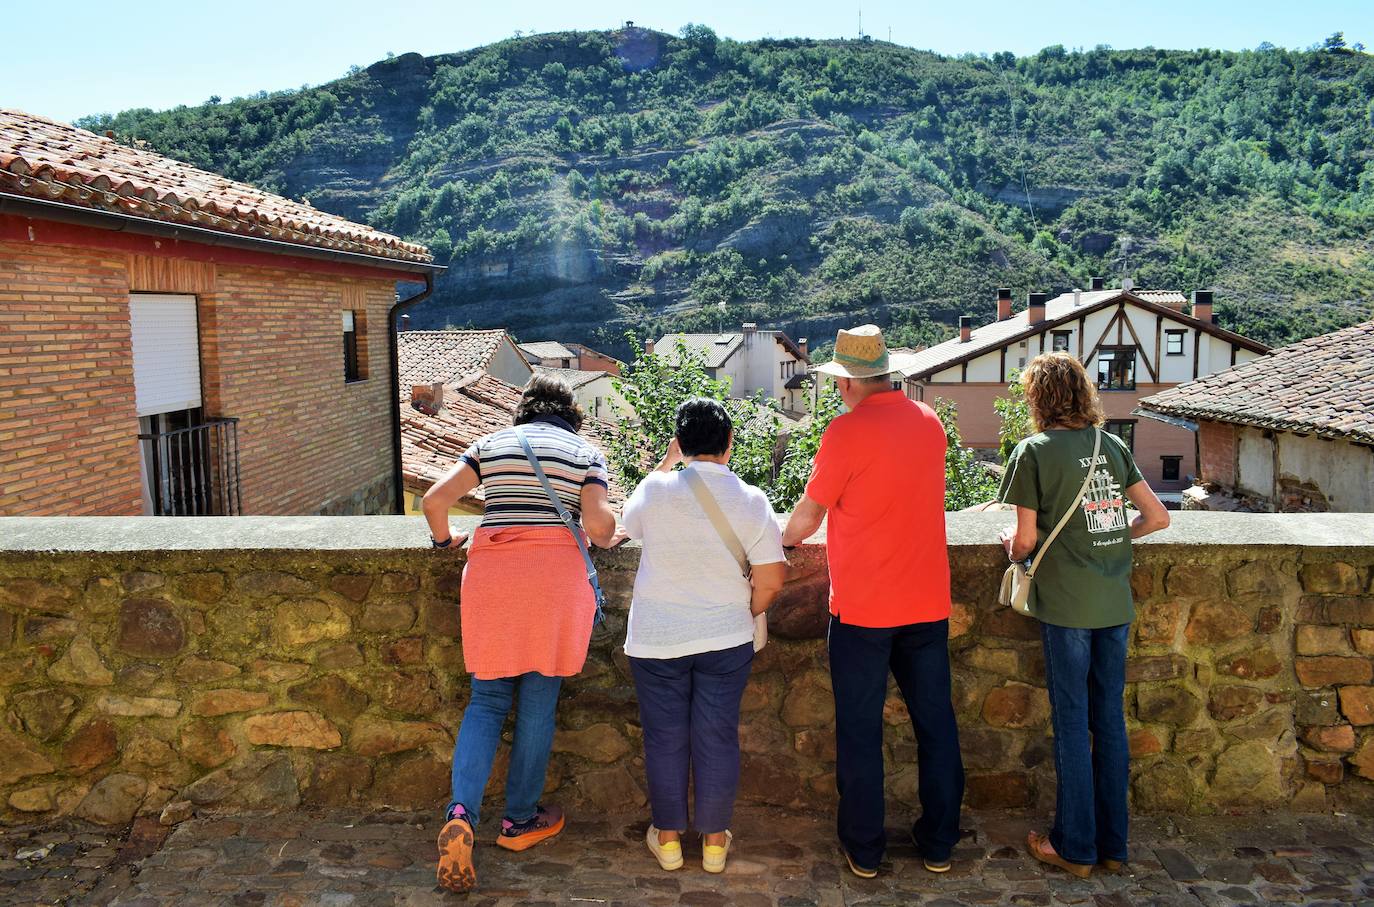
(1060, 393)
(548, 395)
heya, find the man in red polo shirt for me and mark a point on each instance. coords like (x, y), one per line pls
(880, 475)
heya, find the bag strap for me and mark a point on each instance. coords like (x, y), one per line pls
(718, 521)
(1078, 499)
(568, 520)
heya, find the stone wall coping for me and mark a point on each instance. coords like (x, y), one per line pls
(390, 533)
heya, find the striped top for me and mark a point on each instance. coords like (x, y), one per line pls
(514, 496)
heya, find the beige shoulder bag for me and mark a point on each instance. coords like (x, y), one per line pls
(1016, 582)
(732, 542)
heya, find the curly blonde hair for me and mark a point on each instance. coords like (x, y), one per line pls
(1060, 393)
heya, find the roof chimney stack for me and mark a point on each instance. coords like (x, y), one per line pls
(1202, 306)
(1077, 297)
(801, 345)
(648, 347)
(1035, 306)
(1098, 283)
(427, 398)
(1003, 303)
(405, 322)
(965, 328)
(1127, 285)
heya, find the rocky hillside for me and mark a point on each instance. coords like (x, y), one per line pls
(582, 185)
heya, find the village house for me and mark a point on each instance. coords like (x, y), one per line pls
(1134, 342)
(575, 356)
(754, 362)
(1290, 431)
(175, 342)
(426, 357)
(594, 391)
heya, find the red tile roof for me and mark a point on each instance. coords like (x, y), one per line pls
(1323, 385)
(47, 160)
(476, 406)
(428, 357)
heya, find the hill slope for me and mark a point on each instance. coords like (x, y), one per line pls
(584, 184)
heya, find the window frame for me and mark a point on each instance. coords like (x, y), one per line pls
(1056, 336)
(1170, 335)
(1174, 460)
(354, 324)
(1129, 434)
(1113, 355)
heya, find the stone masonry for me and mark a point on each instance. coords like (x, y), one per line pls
(169, 667)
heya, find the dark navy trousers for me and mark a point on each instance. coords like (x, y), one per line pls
(917, 655)
(689, 709)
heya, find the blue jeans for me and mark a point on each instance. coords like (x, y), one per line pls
(689, 709)
(918, 657)
(1085, 671)
(480, 732)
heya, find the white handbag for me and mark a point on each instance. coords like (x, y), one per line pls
(1016, 582)
(727, 535)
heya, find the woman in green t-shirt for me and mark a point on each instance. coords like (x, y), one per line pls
(1082, 598)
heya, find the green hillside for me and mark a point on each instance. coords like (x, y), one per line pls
(585, 184)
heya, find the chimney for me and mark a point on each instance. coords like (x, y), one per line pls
(1077, 297)
(1127, 285)
(965, 328)
(1003, 303)
(1035, 306)
(648, 347)
(427, 398)
(801, 345)
(405, 322)
(1202, 306)
(1098, 283)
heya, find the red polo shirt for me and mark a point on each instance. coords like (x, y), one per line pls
(880, 474)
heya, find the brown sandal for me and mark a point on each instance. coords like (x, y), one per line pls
(1040, 847)
(1110, 865)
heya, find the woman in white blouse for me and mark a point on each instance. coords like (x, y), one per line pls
(691, 628)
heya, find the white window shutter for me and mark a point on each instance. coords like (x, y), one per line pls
(166, 350)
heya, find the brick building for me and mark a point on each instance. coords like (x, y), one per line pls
(1133, 341)
(1290, 431)
(172, 341)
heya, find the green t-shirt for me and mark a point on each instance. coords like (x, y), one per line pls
(1084, 579)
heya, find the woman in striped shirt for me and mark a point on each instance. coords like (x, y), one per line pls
(526, 606)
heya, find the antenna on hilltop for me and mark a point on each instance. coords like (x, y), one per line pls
(861, 20)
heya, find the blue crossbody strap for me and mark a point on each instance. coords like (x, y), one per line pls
(569, 521)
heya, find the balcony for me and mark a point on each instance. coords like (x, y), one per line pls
(193, 471)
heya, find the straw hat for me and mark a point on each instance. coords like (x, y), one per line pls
(861, 353)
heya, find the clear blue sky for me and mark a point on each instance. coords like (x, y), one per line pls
(95, 57)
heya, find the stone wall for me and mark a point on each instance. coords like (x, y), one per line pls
(272, 662)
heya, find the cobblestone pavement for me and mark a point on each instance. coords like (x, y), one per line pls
(779, 859)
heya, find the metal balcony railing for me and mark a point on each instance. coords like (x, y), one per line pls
(194, 471)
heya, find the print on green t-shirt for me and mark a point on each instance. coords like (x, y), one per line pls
(1084, 579)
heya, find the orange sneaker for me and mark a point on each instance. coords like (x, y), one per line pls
(546, 822)
(455, 855)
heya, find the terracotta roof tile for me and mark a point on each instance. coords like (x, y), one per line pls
(1323, 385)
(427, 357)
(45, 159)
(575, 377)
(478, 406)
(548, 349)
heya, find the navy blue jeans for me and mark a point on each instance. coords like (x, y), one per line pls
(689, 709)
(480, 732)
(1085, 671)
(918, 657)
